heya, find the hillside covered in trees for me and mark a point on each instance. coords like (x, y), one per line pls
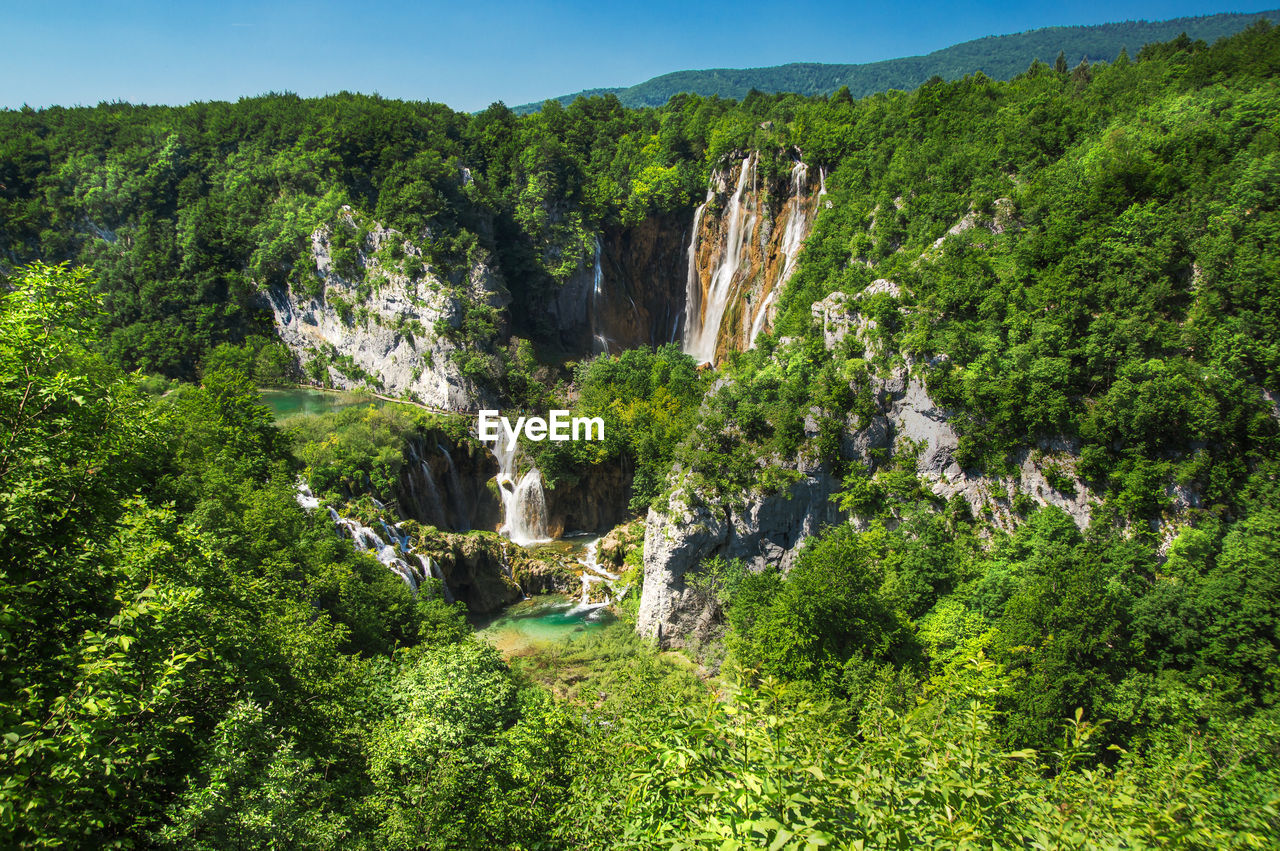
(1000, 57)
(1075, 271)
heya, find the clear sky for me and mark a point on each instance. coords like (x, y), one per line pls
(470, 53)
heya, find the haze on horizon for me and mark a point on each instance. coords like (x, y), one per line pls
(472, 54)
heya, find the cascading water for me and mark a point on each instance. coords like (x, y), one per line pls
(702, 330)
(435, 506)
(601, 342)
(366, 540)
(455, 491)
(431, 568)
(594, 574)
(524, 505)
(792, 241)
(693, 284)
(527, 515)
(305, 497)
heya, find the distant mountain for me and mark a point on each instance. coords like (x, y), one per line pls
(997, 56)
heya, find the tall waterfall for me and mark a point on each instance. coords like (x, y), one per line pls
(693, 284)
(600, 342)
(792, 241)
(524, 505)
(702, 330)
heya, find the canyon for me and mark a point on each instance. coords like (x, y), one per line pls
(710, 282)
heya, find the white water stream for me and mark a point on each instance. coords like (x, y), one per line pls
(702, 329)
(593, 574)
(524, 505)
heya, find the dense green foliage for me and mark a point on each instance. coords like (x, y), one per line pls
(761, 770)
(192, 660)
(998, 56)
(1114, 284)
(647, 400)
(189, 214)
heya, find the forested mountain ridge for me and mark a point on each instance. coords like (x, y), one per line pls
(999, 57)
(1072, 272)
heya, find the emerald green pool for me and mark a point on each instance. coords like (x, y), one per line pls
(301, 400)
(544, 620)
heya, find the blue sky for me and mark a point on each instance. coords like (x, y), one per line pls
(472, 52)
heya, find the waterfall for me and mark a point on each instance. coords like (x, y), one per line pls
(692, 285)
(593, 574)
(431, 568)
(527, 512)
(305, 497)
(597, 292)
(459, 501)
(435, 516)
(366, 540)
(597, 273)
(702, 330)
(524, 505)
(792, 241)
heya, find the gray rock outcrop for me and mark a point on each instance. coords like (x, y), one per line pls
(382, 330)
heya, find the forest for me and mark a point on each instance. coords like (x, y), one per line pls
(999, 56)
(193, 659)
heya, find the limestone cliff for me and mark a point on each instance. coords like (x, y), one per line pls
(632, 292)
(708, 279)
(487, 572)
(448, 484)
(595, 502)
(374, 316)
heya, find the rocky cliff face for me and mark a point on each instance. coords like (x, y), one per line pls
(769, 529)
(595, 503)
(708, 280)
(454, 486)
(632, 292)
(448, 484)
(371, 320)
(487, 572)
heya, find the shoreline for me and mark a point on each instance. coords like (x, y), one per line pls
(375, 395)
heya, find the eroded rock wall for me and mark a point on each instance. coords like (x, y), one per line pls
(374, 323)
(449, 484)
(632, 292)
